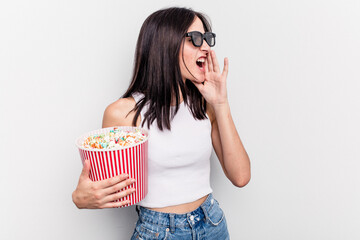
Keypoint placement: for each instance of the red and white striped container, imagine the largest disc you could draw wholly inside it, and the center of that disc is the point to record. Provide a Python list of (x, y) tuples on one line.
[(107, 163)]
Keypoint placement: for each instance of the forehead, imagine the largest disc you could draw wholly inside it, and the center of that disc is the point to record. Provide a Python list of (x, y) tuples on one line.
[(197, 25)]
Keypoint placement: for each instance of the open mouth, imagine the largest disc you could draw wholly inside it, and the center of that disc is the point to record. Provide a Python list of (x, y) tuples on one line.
[(201, 63)]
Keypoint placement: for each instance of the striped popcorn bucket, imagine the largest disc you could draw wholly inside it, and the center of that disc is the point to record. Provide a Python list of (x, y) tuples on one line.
[(107, 163)]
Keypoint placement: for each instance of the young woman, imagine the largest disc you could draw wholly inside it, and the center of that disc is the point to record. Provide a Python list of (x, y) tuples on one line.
[(178, 93)]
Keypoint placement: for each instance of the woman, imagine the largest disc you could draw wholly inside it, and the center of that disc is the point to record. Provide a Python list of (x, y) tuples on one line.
[(179, 94)]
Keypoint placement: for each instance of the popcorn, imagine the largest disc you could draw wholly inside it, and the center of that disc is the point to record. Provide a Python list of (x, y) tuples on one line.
[(113, 139)]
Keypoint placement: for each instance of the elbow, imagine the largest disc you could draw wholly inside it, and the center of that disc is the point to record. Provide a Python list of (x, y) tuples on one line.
[(243, 176), (240, 175), (75, 199), (241, 181)]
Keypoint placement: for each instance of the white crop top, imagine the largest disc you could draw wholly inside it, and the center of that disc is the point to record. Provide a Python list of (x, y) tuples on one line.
[(178, 160)]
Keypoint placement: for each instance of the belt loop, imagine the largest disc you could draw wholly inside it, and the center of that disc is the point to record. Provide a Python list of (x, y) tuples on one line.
[(137, 207), (205, 206), (172, 222), (205, 212)]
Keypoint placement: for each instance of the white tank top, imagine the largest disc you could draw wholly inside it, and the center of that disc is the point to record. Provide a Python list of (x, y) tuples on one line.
[(178, 160)]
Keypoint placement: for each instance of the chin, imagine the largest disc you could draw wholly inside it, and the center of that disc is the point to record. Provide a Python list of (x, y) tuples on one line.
[(199, 78)]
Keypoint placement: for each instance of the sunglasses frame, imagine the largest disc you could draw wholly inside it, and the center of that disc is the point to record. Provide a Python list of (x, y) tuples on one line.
[(203, 36)]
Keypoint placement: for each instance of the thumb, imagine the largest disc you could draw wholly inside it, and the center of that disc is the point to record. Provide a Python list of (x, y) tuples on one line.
[(86, 169), (199, 86)]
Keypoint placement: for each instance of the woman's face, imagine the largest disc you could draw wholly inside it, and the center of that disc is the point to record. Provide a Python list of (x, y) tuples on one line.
[(192, 59)]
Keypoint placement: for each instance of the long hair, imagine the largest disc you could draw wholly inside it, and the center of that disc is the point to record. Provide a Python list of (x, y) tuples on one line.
[(157, 72)]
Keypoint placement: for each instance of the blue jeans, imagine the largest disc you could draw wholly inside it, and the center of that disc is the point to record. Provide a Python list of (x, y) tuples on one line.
[(206, 222)]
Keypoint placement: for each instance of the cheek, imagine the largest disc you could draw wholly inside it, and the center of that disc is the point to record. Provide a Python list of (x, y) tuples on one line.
[(188, 62), (189, 54), (185, 62)]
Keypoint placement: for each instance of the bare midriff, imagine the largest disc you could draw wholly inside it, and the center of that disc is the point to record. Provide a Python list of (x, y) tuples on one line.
[(182, 208)]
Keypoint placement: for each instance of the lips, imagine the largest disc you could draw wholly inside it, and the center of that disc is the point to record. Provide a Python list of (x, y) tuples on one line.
[(201, 62)]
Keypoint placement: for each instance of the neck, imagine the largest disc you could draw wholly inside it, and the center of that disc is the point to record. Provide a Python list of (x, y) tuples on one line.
[(173, 100)]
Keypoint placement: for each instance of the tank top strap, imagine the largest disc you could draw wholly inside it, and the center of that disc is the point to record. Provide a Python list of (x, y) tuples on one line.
[(137, 97)]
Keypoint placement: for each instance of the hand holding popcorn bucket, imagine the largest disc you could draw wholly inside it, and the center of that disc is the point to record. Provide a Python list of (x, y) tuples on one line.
[(114, 151)]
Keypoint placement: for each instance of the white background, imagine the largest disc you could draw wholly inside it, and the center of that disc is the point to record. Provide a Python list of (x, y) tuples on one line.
[(293, 88)]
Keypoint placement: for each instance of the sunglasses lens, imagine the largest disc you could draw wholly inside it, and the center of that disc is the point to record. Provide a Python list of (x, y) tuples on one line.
[(197, 39), (210, 39)]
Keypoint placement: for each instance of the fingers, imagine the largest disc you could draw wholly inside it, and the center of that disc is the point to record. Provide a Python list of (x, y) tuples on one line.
[(212, 64), (101, 194), (226, 68), (115, 204), (207, 65), (112, 181), (118, 195), (117, 192), (214, 61), (119, 186), (209, 62), (104, 197)]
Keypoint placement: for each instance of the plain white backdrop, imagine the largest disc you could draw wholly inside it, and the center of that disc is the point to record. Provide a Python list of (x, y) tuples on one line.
[(293, 87)]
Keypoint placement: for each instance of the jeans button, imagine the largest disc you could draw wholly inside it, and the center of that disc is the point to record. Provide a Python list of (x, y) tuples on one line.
[(192, 218)]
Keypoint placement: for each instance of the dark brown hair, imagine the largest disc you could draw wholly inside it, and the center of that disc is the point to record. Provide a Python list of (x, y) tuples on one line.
[(157, 72)]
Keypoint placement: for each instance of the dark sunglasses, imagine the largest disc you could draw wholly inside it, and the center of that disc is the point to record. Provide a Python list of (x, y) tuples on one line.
[(197, 38)]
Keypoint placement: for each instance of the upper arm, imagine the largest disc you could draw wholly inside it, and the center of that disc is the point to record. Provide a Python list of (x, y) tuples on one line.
[(120, 113)]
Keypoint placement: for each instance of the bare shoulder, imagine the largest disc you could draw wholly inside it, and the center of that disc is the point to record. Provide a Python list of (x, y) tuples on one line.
[(119, 113)]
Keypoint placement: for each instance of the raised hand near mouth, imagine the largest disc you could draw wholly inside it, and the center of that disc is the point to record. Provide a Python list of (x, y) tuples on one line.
[(213, 88)]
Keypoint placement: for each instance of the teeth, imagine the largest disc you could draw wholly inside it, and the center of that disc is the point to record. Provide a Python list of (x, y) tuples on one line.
[(201, 60)]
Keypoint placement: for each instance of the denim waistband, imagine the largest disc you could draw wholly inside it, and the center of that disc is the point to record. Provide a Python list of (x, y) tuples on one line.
[(173, 220)]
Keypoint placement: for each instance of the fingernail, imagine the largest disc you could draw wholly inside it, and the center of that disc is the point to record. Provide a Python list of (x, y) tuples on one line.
[(133, 180), (133, 190), (125, 175)]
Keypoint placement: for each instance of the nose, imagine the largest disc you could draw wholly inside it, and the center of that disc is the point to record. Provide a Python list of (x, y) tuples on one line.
[(205, 46)]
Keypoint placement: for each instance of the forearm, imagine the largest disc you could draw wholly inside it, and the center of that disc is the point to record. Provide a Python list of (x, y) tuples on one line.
[(235, 160)]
